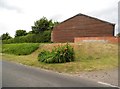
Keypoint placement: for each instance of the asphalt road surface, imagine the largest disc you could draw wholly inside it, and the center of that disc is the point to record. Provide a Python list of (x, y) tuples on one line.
[(17, 75), (0, 74)]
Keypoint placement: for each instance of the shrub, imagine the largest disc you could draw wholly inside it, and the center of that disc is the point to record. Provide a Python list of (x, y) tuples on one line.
[(60, 54), (20, 33), (8, 41), (43, 37), (20, 49)]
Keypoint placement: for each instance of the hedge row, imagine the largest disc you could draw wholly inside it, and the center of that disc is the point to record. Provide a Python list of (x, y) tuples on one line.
[(31, 38)]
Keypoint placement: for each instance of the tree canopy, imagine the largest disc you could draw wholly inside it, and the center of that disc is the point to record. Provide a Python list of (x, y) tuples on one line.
[(40, 33), (20, 33), (5, 36), (43, 24)]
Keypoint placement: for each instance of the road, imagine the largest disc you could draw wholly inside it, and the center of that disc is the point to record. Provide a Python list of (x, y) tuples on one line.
[(17, 75), (0, 73)]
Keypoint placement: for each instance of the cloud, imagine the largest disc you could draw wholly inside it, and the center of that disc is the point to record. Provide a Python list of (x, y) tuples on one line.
[(109, 14), (58, 10), (56, 17), (5, 5)]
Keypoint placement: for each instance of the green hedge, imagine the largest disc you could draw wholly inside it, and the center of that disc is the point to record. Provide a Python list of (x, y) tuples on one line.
[(31, 38), (60, 54), (20, 49)]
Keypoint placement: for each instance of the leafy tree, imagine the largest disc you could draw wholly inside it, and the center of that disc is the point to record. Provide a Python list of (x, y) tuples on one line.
[(41, 32), (20, 33), (42, 25), (30, 32), (5, 36)]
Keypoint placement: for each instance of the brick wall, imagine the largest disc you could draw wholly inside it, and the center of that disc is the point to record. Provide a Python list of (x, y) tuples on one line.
[(96, 39)]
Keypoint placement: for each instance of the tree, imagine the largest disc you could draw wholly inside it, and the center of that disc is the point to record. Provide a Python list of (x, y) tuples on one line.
[(20, 33), (5, 36), (42, 25), (30, 32)]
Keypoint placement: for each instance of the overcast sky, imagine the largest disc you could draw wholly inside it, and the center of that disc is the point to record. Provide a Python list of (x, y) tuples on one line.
[(21, 14)]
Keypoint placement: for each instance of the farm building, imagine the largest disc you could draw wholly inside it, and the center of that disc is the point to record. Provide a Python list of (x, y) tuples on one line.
[(82, 26)]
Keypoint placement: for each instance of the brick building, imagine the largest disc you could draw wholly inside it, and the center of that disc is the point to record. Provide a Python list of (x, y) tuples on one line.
[(80, 26)]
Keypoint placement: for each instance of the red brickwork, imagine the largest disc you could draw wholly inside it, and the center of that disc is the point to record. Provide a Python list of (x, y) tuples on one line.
[(96, 39), (81, 26)]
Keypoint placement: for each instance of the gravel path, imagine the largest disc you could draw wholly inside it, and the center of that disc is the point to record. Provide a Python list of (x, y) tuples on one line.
[(106, 76)]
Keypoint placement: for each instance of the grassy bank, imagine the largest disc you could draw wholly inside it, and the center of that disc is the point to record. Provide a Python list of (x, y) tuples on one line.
[(20, 49), (88, 57)]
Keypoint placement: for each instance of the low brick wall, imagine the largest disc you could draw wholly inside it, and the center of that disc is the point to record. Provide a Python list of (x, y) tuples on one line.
[(96, 39)]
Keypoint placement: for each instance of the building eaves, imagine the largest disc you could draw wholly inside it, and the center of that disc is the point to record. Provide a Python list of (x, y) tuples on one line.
[(88, 17)]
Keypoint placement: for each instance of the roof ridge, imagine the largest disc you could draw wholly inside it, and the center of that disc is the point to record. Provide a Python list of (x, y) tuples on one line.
[(80, 14), (97, 19)]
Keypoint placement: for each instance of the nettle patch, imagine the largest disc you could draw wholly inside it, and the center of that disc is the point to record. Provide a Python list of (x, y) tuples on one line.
[(60, 54)]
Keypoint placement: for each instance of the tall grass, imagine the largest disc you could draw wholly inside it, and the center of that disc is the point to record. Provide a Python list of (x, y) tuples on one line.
[(95, 51), (88, 57), (20, 49)]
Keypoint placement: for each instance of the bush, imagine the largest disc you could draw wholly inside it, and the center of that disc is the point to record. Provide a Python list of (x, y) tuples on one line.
[(8, 41), (60, 54), (20, 49), (20, 33), (43, 37)]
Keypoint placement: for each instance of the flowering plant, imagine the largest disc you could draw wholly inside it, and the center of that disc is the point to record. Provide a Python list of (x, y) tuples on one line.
[(61, 54)]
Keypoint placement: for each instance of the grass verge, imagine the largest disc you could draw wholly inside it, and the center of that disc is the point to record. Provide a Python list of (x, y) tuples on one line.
[(88, 57), (20, 49)]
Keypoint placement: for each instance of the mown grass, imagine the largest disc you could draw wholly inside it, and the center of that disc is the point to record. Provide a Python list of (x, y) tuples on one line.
[(88, 57), (20, 49)]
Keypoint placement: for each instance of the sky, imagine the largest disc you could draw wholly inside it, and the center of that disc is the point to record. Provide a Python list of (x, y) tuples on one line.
[(21, 14)]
